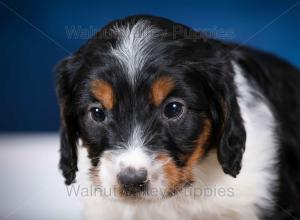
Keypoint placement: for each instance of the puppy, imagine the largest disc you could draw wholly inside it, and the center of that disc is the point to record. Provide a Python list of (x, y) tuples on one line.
[(180, 127)]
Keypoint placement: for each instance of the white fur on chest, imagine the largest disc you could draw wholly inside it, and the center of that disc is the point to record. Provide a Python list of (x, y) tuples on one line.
[(251, 189)]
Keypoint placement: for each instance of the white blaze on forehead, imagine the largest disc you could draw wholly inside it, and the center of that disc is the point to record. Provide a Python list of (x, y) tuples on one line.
[(134, 45)]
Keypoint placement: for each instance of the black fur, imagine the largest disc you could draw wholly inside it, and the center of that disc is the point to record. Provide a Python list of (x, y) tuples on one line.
[(69, 128)]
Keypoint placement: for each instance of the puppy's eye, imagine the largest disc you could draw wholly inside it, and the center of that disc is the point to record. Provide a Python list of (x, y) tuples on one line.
[(173, 110), (97, 114)]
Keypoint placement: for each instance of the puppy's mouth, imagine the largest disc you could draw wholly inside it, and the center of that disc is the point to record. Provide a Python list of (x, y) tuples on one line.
[(143, 192), (148, 194), (142, 177)]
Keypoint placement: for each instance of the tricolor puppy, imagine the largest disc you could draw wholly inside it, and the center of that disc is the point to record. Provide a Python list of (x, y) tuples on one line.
[(180, 127)]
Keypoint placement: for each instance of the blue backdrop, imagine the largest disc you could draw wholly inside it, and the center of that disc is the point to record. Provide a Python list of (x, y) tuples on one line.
[(36, 34)]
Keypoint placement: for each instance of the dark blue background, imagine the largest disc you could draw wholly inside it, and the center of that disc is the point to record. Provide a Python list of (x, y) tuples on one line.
[(27, 97)]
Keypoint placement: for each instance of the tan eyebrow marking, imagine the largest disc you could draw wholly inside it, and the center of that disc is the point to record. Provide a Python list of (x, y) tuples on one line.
[(160, 89), (103, 91)]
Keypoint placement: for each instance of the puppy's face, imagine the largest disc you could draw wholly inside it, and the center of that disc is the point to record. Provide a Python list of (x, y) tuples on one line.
[(144, 138), (148, 108)]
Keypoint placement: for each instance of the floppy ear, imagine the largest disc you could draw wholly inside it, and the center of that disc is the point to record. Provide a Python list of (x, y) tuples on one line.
[(65, 71), (68, 155), (232, 137), (229, 130)]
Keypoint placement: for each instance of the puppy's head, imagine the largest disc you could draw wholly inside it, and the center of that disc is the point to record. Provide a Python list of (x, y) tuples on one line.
[(148, 104)]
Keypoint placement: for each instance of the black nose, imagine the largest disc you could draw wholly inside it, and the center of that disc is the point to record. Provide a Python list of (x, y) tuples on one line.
[(133, 181)]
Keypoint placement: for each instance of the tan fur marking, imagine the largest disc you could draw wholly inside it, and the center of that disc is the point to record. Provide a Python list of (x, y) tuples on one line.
[(172, 172), (160, 89), (201, 141), (176, 176), (103, 91)]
